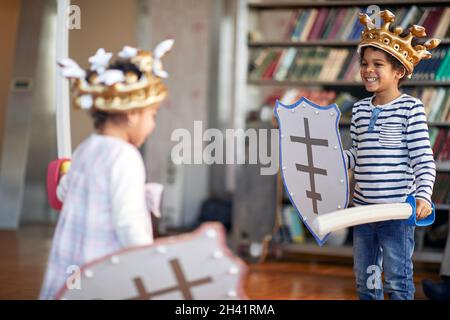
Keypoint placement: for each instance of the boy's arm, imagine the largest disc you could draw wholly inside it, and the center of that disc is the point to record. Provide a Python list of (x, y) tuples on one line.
[(420, 152), (351, 153)]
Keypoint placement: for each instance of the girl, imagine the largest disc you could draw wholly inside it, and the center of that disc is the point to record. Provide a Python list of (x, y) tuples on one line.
[(105, 200)]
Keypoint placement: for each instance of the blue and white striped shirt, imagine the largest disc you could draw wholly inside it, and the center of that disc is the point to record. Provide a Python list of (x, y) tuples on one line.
[(390, 153)]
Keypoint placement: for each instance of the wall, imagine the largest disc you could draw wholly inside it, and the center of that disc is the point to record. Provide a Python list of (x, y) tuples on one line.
[(9, 15), (108, 24), (21, 108), (99, 28), (113, 23), (186, 21)]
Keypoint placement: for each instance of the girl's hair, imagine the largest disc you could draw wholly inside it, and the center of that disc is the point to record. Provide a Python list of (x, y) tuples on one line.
[(100, 117)]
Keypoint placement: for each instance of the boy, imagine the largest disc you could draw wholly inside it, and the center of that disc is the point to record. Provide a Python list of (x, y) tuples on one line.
[(391, 157)]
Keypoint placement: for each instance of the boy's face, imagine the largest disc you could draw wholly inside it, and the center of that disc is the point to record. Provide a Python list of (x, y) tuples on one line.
[(377, 73)]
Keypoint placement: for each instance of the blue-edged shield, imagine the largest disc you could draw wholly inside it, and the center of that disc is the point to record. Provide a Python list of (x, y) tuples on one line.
[(312, 160)]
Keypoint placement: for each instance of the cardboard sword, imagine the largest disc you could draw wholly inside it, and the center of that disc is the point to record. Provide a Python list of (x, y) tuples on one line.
[(60, 166)]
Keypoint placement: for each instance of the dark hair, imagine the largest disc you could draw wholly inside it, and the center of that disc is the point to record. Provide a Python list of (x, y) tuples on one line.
[(100, 117), (121, 65), (125, 67)]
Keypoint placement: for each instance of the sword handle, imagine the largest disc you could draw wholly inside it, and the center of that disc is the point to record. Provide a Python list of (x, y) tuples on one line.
[(55, 170)]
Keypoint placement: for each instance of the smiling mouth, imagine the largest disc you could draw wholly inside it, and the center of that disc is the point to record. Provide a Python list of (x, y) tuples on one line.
[(370, 79)]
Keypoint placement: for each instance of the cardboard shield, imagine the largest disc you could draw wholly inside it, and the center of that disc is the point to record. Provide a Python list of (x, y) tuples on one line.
[(195, 265), (312, 160)]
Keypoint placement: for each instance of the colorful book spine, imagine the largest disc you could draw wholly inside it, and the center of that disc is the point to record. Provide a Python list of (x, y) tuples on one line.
[(319, 23), (342, 23)]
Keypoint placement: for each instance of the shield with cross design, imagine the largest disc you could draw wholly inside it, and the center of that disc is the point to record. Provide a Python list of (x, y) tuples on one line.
[(312, 160), (190, 266)]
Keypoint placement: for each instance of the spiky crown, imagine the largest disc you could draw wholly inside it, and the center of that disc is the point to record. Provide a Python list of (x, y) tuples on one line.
[(393, 43), (109, 89)]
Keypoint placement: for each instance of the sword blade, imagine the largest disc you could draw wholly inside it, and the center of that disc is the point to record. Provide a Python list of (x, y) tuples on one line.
[(62, 84)]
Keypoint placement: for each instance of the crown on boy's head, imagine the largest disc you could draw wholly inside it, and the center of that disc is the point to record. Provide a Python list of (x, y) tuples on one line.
[(108, 88), (393, 43)]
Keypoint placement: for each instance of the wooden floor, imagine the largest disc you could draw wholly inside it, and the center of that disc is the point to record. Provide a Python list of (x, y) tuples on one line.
[(23, 257)]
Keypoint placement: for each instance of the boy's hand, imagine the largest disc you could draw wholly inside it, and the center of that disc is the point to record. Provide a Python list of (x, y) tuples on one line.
[(423, 209)]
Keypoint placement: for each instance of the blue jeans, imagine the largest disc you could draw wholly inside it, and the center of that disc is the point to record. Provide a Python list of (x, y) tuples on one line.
[(384, 246)]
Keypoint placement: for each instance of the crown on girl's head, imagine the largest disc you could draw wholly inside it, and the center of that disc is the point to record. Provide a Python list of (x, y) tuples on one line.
[(393, 43), (104, 87)]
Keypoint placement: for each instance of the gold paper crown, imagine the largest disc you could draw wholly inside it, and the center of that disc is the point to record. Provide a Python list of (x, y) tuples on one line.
[(109, 89), (393, 43)]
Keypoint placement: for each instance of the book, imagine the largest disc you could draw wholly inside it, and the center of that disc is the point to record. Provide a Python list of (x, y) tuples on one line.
[(348, 27), (338, 24), (432, 19), (309, 65), (293, 224), (424, 16), (297, 65), (444, 151), (290, 30), (352, 71), (329, 23), (279, 62), (299, 25), (318, 24), (446, 108), (342, 54), (443, 24), (436, 103), (312, 16), (345, 65), (265, 58), (410, 15), (357, 29), (433, 132), (304, 64), (323, 75), (428, 100), (288, 59), (438, 144), (441, 72), (400, 15), (268, 72), (440, 106), (436, 62)]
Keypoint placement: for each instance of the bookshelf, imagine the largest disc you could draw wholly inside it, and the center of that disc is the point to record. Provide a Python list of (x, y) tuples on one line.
[(314, 43), (283, 5), (263, 85), (338, 83)]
